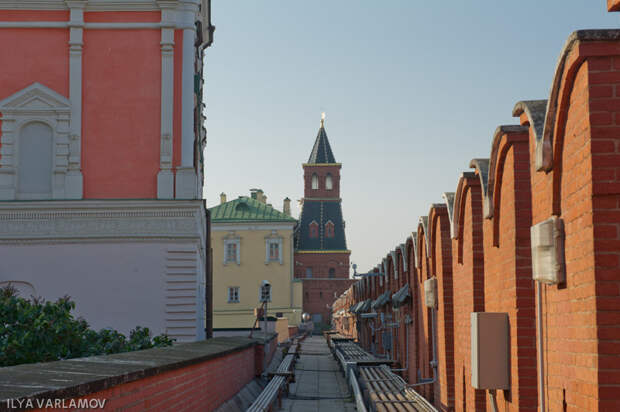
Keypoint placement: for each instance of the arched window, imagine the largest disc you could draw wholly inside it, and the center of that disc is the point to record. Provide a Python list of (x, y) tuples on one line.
[(315, 181), (332, 273), (34, 174), (329, 185), (314, 230)]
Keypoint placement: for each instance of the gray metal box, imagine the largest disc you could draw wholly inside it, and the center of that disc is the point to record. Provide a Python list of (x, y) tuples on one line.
[(547, 239), (489, 350), (430, 292)]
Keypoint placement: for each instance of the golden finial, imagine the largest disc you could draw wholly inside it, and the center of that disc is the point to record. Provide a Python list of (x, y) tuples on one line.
[(323, 119)]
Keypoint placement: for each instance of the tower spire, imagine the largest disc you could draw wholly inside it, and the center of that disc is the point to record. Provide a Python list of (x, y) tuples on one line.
[(323, 120)]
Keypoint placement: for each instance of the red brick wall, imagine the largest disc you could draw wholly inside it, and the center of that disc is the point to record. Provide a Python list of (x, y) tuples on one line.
[(321, 263), (490, 259), (203, 386), (322, 172), (318, 295), (468, 274)]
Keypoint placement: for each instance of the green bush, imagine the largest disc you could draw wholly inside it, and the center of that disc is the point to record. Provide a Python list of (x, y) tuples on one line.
[(38, 331)]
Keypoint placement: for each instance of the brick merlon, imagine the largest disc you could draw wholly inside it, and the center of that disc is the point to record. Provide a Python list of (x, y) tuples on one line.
[(423, 221), (544, 159), (448, 198), (465, 176)]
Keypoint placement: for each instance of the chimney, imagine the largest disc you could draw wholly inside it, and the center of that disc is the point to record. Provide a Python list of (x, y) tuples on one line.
[(260, 196), (286, 208), (222, 198)]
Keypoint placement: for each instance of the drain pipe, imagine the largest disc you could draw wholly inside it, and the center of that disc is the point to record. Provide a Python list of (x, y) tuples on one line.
[(539, 348), (434, 362)]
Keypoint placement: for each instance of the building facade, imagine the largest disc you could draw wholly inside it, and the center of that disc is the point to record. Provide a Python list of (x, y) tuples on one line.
[(321, 254), (101, 159), (252, 246)]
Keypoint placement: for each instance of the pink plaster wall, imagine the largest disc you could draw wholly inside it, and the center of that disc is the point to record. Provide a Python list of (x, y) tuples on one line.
[(121, 112)]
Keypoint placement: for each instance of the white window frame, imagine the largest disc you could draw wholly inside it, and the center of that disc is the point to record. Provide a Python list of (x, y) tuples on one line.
[(230, 295), (38, 103), (228, 240), (273, 239)]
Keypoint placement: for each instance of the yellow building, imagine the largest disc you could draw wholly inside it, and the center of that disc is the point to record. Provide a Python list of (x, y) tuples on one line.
[(252, 246)]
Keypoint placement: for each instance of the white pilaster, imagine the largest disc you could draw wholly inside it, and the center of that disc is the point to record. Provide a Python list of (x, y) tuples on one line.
[(165, 177), (74, 182), (186, 179)]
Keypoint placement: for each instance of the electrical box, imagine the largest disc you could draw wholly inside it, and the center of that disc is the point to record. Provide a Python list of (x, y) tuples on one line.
[(547, 239), (489, 350), (430, 292)]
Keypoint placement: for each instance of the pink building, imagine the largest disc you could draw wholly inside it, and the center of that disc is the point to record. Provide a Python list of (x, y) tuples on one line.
[(101, 158)]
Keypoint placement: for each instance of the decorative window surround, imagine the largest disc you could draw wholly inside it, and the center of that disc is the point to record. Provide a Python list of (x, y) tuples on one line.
[(274, 239), (37, 103), (232, 239)]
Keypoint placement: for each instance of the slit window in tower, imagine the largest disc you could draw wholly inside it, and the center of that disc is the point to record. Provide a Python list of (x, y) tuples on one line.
[(328, 182), (315, 181)]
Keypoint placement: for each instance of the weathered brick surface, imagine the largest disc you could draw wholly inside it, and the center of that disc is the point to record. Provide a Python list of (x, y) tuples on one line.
[(203, 386)]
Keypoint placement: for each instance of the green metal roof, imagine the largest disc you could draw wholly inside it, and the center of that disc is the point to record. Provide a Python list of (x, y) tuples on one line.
[(246, 209)]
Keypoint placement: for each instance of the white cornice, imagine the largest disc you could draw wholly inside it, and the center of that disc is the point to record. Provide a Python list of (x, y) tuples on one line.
[(93, 5), (225, 227), (101, 220)]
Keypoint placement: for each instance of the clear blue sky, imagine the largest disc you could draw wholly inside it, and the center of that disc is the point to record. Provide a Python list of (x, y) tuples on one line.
[(412, 89)]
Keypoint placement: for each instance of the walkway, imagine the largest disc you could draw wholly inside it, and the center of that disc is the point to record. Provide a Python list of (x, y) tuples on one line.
[(320, 385)]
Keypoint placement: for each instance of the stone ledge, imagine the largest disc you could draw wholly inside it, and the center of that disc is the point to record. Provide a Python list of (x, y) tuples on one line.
[(74, 378)]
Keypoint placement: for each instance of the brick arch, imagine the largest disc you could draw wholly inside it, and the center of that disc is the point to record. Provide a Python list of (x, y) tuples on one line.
[(466, 181), (441, 264), (503, 140)]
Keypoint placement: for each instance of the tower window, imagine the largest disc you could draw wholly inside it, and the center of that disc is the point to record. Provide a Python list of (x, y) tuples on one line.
[(329, 229), (328, 182), (308, 272), (314, 230), (332, 273), (315, 181)]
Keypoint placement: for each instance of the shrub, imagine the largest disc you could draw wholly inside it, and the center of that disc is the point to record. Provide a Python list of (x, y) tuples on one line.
[(38, 331)]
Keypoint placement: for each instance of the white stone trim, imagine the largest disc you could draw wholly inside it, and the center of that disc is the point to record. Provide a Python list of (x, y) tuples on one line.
[(69, 221), (93, 5), (37, 103), (227, 227), (165, 177), (74, 179), (394, 263)]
